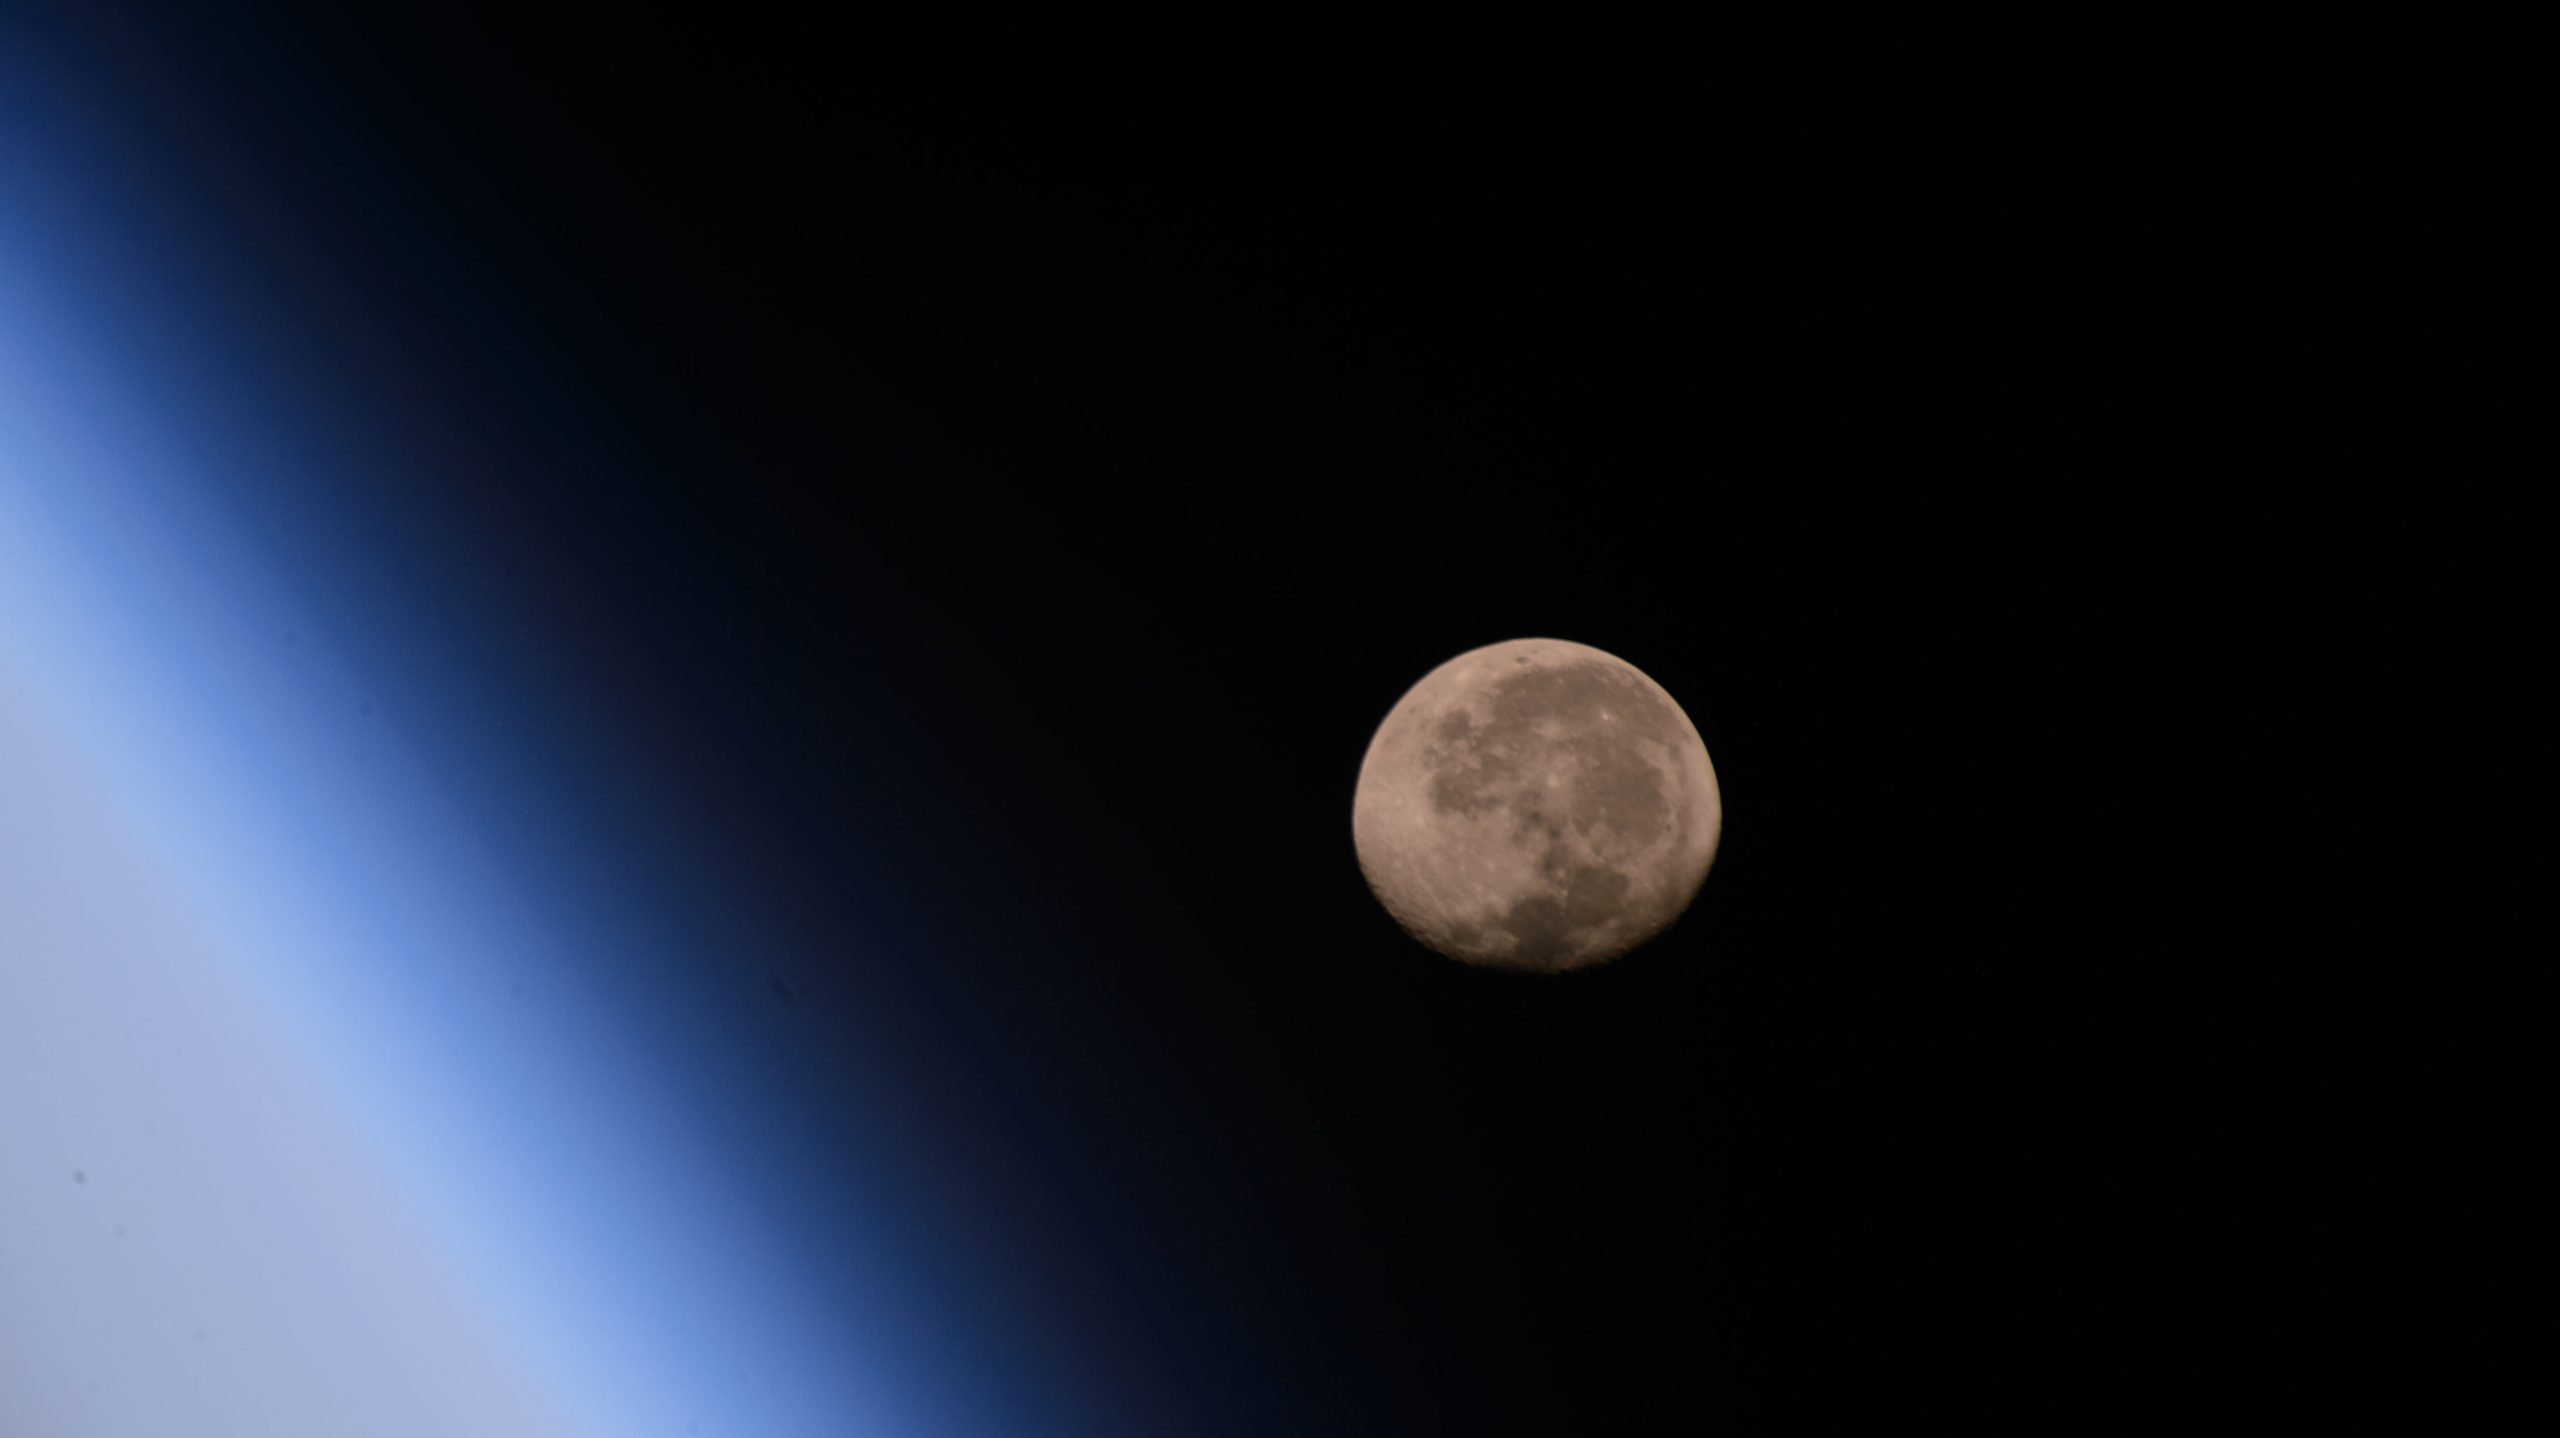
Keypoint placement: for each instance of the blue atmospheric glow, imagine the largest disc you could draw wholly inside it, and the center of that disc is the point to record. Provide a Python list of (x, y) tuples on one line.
[(367, 1137)]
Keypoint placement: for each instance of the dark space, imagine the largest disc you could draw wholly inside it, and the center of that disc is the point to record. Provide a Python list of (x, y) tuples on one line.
[(996, 486)]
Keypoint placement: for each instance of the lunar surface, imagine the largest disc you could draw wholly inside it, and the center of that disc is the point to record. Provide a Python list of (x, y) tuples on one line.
[(1536, 804)]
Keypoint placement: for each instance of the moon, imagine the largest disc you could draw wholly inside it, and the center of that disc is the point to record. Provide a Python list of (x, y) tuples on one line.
[(1537, 805)]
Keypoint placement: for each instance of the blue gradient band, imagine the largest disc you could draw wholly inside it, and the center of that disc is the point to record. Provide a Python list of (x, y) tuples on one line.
[(337, 1093)]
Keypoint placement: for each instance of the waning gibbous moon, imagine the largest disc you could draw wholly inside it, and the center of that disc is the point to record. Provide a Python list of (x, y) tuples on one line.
[(1537, 805)]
